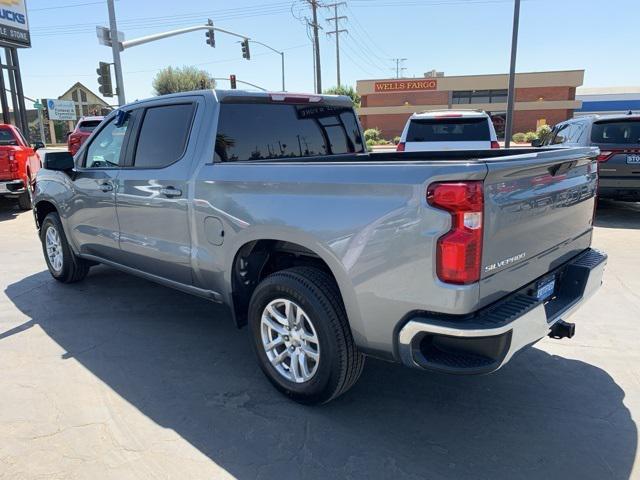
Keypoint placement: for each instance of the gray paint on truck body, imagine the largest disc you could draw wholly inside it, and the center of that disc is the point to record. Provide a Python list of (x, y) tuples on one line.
[(366, 217)]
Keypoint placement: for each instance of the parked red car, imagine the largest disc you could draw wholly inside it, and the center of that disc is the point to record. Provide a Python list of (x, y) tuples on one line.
[(19, 164), (83, 129)]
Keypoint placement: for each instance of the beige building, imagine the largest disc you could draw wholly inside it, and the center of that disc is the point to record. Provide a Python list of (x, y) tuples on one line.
[(88, 104), (541, 97)]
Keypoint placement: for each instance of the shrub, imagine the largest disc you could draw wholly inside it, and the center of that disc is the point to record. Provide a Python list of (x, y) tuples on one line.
[(518, 137), (543, 131), (185, 79), (396, 140), (530, 137), (372, 134), (344, 90)]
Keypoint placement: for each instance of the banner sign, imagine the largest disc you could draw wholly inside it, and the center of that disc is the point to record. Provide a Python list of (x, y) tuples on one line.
[(14, 24), (406, 85)]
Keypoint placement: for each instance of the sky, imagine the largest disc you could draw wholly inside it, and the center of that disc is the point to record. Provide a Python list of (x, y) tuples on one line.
[(458, 37)]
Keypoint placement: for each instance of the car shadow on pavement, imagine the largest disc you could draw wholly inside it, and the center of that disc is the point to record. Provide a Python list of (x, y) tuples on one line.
[(180, 361), (8, 209), (612, 214)]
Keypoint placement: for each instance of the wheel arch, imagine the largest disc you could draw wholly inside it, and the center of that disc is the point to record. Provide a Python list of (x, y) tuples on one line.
[(41, 209), (256, 258)]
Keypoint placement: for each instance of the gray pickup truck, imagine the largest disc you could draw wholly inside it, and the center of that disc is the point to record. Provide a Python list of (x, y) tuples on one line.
[(269, 203)]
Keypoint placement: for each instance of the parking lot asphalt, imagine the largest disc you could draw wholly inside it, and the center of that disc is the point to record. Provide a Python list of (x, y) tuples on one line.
[(119, 378)]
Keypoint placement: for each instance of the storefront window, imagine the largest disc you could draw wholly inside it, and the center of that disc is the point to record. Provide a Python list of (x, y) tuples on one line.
[(463, 97)]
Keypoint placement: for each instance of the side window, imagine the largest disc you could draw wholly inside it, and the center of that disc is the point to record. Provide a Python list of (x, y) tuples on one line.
[(581, 129), (105, 149), (24, 140), (163, 135), (561, 135)]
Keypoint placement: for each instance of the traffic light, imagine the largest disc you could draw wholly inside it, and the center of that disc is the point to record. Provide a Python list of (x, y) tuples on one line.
[(210, 34), (45, 109), (104, 79), (245, 49), (232, 80)]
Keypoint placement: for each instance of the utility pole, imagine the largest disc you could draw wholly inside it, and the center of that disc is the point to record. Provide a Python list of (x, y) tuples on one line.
[(512, 75), (337, 33), (115, 48), (316, 44), (398, 69)]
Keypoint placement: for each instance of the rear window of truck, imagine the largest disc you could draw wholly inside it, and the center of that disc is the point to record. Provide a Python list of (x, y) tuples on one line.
[(616, 131), (7, 137), (448, 130), (88, 126), (271, 131)]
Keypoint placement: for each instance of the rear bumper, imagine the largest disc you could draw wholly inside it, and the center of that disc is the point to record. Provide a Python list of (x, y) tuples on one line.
[(9, 188), (619, 188), (485, 341)]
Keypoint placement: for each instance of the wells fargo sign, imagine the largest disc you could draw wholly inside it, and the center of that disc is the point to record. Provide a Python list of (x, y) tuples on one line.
[(405, 85)]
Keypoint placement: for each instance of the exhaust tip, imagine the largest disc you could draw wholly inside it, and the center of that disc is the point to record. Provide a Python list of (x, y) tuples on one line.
[(562, 329)]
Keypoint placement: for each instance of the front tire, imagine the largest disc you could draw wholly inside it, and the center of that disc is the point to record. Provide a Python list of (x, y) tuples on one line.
[(63, 265), (300, 333)]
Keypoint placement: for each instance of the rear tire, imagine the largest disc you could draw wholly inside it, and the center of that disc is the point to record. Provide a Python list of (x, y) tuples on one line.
[(316, 358), (63, 265), (25, 201)]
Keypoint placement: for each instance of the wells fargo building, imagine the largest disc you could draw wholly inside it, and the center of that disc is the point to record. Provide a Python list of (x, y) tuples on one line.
[(541, 97)]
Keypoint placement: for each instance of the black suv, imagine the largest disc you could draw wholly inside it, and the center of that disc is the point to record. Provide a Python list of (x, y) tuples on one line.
[(618, 137)]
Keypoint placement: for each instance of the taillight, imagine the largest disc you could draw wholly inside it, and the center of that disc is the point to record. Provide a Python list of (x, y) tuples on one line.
[(494, 144), (13, 162), (604, 156), (400, 147), (294, 98), (459, 251)]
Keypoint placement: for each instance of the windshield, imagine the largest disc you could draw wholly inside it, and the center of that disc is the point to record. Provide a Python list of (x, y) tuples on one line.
[(448, 130), (626, 132)]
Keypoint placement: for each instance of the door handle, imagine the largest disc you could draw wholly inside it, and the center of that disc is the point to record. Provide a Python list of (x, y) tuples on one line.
[(171, 192), (106, 187)]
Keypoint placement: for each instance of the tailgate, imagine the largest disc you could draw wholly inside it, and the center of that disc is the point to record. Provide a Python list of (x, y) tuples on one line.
[(5, 172), (538, 214)]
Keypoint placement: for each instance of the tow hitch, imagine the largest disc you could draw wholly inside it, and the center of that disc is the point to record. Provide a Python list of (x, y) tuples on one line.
[(562, 329)]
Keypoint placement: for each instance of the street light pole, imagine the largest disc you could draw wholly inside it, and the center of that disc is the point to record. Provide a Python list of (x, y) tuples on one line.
[(115, 48), (282, 57), (512, 75), (278, 52)]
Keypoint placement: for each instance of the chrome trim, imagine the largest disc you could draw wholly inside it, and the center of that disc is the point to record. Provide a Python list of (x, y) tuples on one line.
[(525, 330)]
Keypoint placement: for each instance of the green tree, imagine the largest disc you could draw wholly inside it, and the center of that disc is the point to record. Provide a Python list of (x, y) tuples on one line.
[(348, 91), (173, 80)]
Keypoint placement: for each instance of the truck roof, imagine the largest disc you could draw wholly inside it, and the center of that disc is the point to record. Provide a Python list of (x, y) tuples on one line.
[(262, 97), (450, 113)]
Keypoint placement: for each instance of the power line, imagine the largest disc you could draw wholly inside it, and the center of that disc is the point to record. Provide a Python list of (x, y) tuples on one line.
[(70, 5), (144, 22), (358, 65)]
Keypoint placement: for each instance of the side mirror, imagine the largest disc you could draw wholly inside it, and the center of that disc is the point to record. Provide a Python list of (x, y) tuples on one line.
[(536, 143), (37, 146), (61, 161), (66, 135)]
